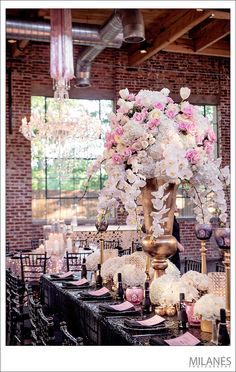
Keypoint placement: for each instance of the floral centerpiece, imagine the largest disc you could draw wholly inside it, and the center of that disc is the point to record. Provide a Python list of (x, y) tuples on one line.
[(153, 137), (94, 258), (131, 276), (208, 307), (196, 279)]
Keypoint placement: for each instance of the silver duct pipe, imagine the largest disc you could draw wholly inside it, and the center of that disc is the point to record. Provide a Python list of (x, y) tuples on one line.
[(128, 20), (40, 31), (133, 26)]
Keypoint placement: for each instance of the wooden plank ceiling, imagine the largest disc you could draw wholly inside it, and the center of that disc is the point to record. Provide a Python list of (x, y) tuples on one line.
[(191, 31)]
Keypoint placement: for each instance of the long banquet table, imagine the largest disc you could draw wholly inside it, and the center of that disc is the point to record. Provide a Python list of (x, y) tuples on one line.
[(85, 319)]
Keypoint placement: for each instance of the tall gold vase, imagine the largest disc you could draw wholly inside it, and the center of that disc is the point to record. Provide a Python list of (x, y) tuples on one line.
[(164, 246)]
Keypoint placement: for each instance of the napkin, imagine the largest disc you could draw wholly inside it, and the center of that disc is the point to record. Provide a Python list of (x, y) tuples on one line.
[(187, 339), (124, 306), (67, 275), (154, 321), (100, 293), (77, 283)]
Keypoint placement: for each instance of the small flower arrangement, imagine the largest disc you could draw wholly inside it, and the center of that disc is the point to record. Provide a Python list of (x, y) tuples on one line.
[(137, 259), (196, 280), (93, 259), (208, 307), (131, 276), (111, 266), (165, 291)]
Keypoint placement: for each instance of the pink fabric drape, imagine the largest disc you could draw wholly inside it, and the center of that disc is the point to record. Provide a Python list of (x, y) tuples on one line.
[(61, 46)]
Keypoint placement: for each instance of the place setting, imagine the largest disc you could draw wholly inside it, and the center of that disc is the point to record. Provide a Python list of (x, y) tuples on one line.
[(154, 324), (122, 309), (102, 294)]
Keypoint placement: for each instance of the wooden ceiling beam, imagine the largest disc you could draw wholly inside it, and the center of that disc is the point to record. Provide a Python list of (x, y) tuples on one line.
[(210, 34), (219, 14), (168, 36), (219, 49)]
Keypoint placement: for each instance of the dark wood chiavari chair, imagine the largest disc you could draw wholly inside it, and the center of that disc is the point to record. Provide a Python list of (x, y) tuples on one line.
[(190, 264), (220, 267), (136, 246), (111, 244), (124, 252), (75, 260), (67, 338)]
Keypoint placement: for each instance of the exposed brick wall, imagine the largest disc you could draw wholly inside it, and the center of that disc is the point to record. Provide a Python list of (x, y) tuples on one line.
[(205, 76)]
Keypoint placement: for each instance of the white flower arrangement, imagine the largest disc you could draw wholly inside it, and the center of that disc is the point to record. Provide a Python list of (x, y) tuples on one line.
[(131, 276), (93, 259), (153, 137), (165, 291), (196, 279), (111, 266), (172, 269), (137, 259), (208, 307)]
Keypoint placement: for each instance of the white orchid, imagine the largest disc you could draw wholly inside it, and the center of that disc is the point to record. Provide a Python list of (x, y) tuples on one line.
[(184, 93)]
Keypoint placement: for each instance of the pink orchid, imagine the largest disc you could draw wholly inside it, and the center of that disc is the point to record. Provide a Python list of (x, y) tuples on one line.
[(199, 139), (117, 159), (170, 100), (211, 135), (192, 156), (188, 110), (182, 126), (192, 128), (208, 147), (131, 97)]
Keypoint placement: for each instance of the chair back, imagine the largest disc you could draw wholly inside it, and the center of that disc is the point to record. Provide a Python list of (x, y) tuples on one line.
[(34, 243), (45, 329), (190, 264), (124, 252), (67, 338), (33, 306), (82, 243), (136, 246), (33, 265), (75, 260), (220, 268), (111, 244)]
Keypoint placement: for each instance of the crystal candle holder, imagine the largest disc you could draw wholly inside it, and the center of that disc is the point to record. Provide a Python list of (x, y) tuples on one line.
[(217, 284)]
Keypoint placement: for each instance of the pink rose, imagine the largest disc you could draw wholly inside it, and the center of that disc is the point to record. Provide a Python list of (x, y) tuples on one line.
[(153, 123), (170, 113), (159, 105), (117, 159), (138, 116), (199, 139), (119, 130), (192, 156), (128, 152), (170, 100)]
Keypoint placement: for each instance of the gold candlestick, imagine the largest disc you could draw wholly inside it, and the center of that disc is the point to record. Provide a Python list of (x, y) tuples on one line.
[(227, 274), (147, 270), (101, 250), (203, 251)]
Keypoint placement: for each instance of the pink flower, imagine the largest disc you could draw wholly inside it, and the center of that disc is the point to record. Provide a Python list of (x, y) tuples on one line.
[(182, 126), (138, 101), (159, 105), (208, 147), (138, 116), (127, 152), (192, 156), (199, 139), (170, 100), (119, 130), (153, 123), (187, 110), (131, 97), (192, 128), (117, 159), (170, 113), (211, 135)]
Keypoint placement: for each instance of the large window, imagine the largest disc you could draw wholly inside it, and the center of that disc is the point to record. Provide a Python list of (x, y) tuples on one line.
[(59, 179), (185, 207)]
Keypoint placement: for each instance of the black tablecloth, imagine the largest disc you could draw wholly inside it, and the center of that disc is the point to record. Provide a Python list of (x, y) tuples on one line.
[(85, 319)]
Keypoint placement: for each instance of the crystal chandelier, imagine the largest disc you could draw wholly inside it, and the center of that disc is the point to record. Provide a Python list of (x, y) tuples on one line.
[(59, 124)]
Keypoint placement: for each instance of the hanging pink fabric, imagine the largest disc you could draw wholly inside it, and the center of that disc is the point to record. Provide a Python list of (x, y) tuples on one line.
[(61, 48)]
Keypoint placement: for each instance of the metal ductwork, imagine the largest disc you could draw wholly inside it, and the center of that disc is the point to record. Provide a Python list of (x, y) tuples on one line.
[(130, 21), (133, 26), (40, 31)]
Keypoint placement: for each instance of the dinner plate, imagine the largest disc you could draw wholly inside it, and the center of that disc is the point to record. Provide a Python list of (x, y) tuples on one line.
[(158, 329), (95, 298), (67, 285)]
